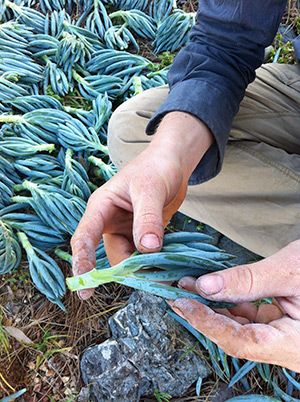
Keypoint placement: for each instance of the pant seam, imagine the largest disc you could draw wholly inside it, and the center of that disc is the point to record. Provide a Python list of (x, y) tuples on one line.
[(283, 77), (268, 115), (283, 169)]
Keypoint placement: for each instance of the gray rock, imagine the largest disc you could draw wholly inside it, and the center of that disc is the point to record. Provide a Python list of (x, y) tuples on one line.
[(13, 308), (147, 351)]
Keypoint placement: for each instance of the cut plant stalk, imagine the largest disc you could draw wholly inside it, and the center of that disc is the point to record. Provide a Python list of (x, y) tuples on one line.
[(107, 170), (172, 265)]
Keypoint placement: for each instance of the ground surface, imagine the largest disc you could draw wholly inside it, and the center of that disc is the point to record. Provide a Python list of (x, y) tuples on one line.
[(49, 367)]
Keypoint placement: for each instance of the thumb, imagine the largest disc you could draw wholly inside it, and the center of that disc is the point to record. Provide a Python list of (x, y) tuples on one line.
[(148, 227), (274, 276)]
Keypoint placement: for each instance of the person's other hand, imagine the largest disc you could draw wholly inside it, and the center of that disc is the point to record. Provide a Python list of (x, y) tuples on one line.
[(270, 333), (132, 209)]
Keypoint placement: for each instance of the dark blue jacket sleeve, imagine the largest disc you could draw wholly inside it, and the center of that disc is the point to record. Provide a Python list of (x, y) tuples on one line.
[(209, 76)]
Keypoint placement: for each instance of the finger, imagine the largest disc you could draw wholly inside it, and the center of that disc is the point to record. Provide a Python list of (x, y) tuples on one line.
[(276, 303), (86, 238), (84, 260), (84, 242), (188, 283), (243, 313), (256, 342), (227, 313), (290, 306), (247, 310), (85, 293), (267, 278), (267, 313), (117, 248)]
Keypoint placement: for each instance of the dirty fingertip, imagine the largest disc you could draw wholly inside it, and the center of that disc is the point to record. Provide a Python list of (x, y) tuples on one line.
[(179, 312), (85, 294)]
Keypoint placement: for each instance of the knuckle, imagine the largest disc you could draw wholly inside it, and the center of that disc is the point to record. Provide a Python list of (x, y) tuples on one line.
[(92, 198), (244, 279), (149, 217), (250, 343), (248, 276), (74, 240)]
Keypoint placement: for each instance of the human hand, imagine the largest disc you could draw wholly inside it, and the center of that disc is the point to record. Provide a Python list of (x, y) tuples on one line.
[(274, 337), (132, 209)]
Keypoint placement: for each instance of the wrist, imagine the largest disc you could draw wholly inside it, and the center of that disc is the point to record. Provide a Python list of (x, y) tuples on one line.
[(183, 136)]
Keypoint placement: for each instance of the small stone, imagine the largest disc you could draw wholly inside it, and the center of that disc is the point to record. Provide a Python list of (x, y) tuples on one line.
[(54, 363), (65, 379), (68, 391), (19, 294), (13, 308), (37, 387), (31, 365), (10, 293), (7, 322), (43, 367), (37, 384)]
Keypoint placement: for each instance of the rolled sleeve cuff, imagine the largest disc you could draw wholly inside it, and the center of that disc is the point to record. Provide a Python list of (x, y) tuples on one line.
[(296, 44), (215, 107)]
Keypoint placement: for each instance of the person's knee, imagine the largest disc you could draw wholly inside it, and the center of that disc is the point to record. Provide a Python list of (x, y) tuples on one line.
[(126, 136)]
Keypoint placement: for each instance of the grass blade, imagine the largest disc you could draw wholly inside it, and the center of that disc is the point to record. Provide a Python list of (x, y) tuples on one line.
[(291, 379), (13, 396), (282, 394), (188, 326), (242, 372), (198, 386)]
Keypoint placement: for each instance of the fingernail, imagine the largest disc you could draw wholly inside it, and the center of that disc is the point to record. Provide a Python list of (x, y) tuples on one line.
[(183, 283), (179, 312), (83, 294), (210, 284), (150, 241)]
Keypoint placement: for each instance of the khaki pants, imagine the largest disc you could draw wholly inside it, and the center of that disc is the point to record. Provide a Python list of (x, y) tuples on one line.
[(255, 200)]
